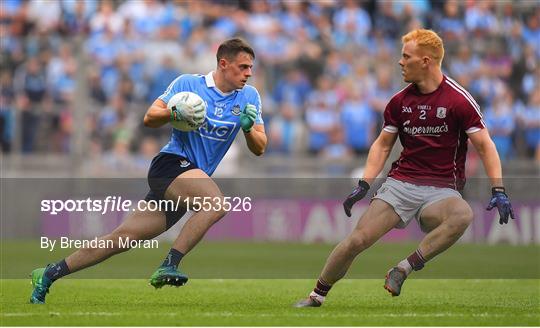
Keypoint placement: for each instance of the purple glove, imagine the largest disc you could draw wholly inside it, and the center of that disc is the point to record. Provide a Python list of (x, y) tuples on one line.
[(357, 194)]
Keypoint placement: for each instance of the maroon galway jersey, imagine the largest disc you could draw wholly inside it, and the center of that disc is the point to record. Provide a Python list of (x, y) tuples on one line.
[(433, 131)]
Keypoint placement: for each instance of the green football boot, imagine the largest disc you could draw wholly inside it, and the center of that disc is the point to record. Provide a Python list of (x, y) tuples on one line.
[(168, 276), (41, 285)]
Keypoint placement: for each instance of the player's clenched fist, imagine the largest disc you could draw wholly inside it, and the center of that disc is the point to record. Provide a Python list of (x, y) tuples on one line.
[(357, 194), (184, 112), (247, 117)]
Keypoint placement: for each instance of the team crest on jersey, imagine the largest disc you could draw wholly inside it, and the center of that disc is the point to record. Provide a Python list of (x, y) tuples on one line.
[(184, 163), (441, 112), (236, 110)]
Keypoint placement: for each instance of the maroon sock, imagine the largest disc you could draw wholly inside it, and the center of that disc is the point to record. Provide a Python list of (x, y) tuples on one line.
[(322, 287), (416, 260)]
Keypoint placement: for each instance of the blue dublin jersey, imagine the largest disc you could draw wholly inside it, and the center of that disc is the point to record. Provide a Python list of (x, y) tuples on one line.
[(206, 146)]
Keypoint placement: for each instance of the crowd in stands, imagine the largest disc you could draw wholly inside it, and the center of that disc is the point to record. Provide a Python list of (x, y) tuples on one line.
[(325, 69)]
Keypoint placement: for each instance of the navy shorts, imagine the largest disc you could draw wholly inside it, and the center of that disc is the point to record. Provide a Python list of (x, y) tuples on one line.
[(164, 169)]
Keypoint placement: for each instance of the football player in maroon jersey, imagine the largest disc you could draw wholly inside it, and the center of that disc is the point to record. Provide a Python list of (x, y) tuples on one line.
[(433, 117)]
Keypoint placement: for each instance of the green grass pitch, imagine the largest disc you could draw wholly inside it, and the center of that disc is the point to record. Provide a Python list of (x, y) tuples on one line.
[(255, 284), (267, 302)]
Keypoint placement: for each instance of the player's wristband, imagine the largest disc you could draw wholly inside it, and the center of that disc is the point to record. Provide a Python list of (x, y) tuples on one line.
[(362, 183), (495, 190), (247, 131), (172, 116)]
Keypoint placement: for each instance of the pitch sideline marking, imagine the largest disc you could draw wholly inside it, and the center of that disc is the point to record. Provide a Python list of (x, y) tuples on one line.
[(231, 314)]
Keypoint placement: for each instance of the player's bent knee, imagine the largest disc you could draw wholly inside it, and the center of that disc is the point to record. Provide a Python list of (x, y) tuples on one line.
[(358, 241), (220, 206), (219, 213), (461, 218)]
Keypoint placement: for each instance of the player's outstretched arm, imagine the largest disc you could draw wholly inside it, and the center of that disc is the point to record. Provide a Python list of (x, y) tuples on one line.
[(256, 139), (157, 114), (490, 157), (492, 164), (378, 154)]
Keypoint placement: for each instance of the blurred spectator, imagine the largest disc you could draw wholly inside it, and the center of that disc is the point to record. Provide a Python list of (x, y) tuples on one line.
[(110, 119), (274, 50), (465, 67), (295, 19), (336, 152), (336, 149), (76, 15), (151, 18), (412, 14), (286, 131), (118, 159), (529, 119), (44, 22), (39, 41), (352, 24), (523, 62), (450, 24), (103, 51), (480, 19), (260, 21), (363, 79), (12, 51), (499, 119), (487, 86), (106, 19), (386, 20), (97, 94), (531, 79), (531, 31), (358, 121), (322, 115), (31, 86), (199, 48), (382, 92), (336, 67), (498, 61), (293, 88), (148, 148), (61, 77), (7, 111), (165, 74)]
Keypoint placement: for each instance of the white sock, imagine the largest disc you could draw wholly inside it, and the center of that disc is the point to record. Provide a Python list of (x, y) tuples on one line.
[(316, 296), (406, 266)]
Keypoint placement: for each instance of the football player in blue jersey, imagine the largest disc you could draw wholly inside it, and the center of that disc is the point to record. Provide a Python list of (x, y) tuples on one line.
[(183, 167)]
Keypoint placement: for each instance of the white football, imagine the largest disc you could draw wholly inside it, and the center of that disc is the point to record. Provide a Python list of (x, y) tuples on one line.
[(193, 109)]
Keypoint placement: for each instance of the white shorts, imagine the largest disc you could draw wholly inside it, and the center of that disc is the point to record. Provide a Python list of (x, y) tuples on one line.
[(409, 200)]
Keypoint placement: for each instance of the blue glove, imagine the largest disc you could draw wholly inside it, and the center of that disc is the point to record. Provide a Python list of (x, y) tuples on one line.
[(500, 199), (247, 117), (357, 194)]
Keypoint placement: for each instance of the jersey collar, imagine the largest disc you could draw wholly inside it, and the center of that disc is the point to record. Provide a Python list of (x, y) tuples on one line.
[(210, 83), (417, 92)]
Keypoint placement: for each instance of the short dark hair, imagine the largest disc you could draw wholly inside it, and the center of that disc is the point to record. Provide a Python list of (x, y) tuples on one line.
[(230, 48)]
